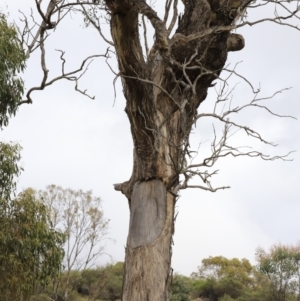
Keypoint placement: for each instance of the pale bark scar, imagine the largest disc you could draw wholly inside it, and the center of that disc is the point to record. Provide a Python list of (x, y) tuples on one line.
[(148, 211)]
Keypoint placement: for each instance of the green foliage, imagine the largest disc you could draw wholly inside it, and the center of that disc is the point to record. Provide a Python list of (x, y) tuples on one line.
[(226, 298), (12, 62), (255, 294), (198, 286), (102, 283), (40, 297), (112, 282), (9, 169), (225, 279), (180, 288), (30, 251), (220, 267), (282, 266)]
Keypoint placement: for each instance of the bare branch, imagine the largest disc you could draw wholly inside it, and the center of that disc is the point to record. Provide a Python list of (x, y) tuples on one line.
[(145, 36), (205, 188), (174, 18), (278, 18), (167, 10), (221, 148), (161, 42), (97, 25), (78, 214), (46, 24), (274, 20), (71, 76), (154, 84), (239, 75)]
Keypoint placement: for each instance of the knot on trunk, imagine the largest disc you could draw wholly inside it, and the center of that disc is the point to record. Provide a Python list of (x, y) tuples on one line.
[(235, 42), (125, 188)]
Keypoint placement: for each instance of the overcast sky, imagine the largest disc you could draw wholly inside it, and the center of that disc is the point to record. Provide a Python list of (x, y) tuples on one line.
[(76, 142)]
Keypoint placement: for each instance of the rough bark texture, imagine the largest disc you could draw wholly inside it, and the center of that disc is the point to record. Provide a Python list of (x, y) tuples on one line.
[(163, 93)]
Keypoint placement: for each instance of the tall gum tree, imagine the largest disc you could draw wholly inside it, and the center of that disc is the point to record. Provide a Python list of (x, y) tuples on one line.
[(160, 126), (164, 86)]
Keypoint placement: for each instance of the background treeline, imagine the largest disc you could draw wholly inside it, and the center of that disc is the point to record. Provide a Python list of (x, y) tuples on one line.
[(276, 277), (50, 241), (102, 283)]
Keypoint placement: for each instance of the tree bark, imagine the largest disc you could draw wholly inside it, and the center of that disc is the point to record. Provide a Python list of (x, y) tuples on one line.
[(163, 93), (148, 251)]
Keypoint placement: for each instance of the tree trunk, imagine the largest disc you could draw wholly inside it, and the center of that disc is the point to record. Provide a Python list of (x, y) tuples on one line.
[(163, 93), (148, 251)]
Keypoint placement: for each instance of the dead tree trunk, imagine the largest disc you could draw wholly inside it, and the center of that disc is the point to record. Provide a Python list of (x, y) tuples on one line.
[(163, 93)]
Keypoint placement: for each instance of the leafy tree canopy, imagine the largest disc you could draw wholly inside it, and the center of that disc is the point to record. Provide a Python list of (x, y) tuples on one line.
[(226, 279), (102, 283), (282, 266), (12, 62), (30, 251), (9, 168), (180, 288), (220, 267)]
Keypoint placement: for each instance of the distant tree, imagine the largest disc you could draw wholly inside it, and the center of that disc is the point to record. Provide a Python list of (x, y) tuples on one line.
[(11, 63), (197, 287), (258, 291), (114, 281), (282, 266), (30, 250), (102, 283), (225, 278), (256, 294), (78, 215), (181, 287), (9, 169), (220, 267), (41, 297), (226, 298), (91, 283)]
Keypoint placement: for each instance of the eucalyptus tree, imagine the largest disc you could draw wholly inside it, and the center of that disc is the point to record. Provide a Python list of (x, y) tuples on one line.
[(11, 64), (30, 249), (78, 215), (165, 80), (10, 169), (281, 264), (31, 252)]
